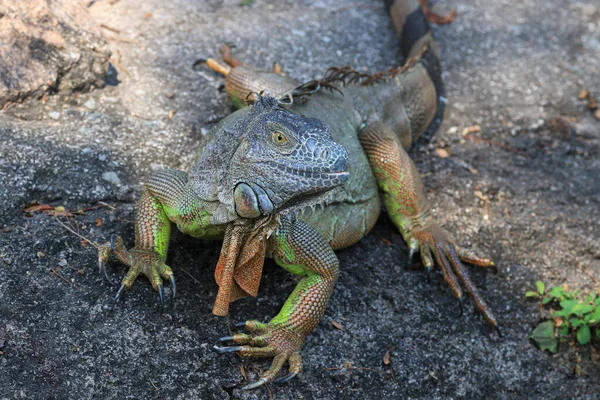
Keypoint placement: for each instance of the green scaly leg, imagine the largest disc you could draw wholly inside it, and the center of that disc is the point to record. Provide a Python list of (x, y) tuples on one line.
[(301, 250), (407, 206), (152, 232), (166, 198)]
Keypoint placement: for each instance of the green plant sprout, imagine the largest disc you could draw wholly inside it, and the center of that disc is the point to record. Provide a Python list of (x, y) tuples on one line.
[(578, 314)]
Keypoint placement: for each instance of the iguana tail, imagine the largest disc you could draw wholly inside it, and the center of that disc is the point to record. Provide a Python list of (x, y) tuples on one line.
[(416, 42), (410, 98)]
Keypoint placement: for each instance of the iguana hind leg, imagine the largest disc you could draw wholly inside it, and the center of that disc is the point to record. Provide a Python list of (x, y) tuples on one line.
[(407, 206), (301, 250)]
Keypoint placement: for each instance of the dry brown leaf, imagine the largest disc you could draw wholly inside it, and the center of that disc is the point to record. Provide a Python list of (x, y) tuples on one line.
[(35, 206), (479, 194), (171, 114), (583, 94), (471, 129), (384, 240), (98, 222), (387, 357), (442, 153), (337, 325)]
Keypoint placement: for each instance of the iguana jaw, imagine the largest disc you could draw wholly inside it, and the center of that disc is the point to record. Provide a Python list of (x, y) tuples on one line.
[(253, 199), (302, 203)]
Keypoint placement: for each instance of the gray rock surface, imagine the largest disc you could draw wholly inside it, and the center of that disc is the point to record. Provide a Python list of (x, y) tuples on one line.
[(48, 45), (513, 68)]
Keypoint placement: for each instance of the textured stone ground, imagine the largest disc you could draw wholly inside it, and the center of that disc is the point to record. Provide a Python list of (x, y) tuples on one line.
[(510, 67)]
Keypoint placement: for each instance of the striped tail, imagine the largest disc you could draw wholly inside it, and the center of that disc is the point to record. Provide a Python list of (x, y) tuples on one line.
[(416, 39)]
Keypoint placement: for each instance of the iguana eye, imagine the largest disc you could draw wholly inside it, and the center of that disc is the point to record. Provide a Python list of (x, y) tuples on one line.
[(279, 137)]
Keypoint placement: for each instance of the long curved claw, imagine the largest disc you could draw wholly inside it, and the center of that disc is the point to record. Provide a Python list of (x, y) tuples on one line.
[(286, 378), (225, 339), (229, 349), (428, 269), (460, 303), (102, 268), (173, 285), (239, 325), (161, 294), (411, 253), (119, 292), (499, 331), (256, 384)]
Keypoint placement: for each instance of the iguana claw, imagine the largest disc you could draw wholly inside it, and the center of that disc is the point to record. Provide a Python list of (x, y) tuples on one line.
[(256, 384), (161, 295), (229, 349), (102, 269), (286, 378), (119, 292)]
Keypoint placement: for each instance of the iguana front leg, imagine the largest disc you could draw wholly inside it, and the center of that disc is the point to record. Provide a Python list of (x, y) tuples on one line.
[(166, 198), (407, 206), (301, 250)]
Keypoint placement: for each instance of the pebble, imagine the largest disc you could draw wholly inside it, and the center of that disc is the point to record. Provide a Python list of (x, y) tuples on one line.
[(90, 104), (111, 177), (54, 114)]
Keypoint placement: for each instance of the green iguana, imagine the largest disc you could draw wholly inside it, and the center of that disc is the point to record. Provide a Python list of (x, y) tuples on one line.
[(329, 143)]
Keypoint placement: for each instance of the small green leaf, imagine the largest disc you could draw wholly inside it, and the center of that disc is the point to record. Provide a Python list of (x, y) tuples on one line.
[(581, 309), (595, 318), (576, 322), (564, 331), (531, 294), (583, 334), (589, 298), (540, 287), (557, 292), (598, 333), (559, 314), (568, 305), (543, 336), (547, 300)]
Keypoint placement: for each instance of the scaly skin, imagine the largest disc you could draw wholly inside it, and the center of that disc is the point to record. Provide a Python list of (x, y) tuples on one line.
[(332, 142)]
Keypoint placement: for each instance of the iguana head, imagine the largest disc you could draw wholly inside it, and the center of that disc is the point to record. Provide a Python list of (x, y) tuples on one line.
[(270, 161)]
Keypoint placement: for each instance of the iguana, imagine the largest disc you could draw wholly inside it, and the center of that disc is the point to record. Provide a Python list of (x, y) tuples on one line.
[(329, 143)]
